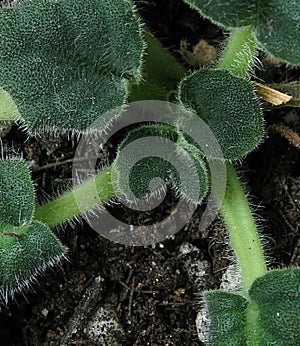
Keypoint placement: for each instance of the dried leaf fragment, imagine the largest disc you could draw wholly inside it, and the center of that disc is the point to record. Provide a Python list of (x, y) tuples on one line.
[(271, 95)]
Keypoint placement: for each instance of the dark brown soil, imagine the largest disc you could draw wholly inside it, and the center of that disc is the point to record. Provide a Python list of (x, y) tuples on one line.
[(150, 291)]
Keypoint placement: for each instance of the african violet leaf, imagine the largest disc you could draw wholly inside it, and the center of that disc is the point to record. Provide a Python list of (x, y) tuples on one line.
[(155, 151), (227, 318), (26, 252), (16, 193), (275, 23), (229, 14), (229, 107), (27, 247), (277, 29), (196, 171), (271, 316), (65, 63), (277, 296)]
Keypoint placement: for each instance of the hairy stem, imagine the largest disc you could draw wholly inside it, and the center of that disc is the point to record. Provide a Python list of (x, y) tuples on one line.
[(72, 204), (239, 54), (237, 58), (242, 231)]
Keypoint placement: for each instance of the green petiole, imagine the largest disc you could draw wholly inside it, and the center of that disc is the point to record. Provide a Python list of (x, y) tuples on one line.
[(97, 190), (238, 58), (243, 235)]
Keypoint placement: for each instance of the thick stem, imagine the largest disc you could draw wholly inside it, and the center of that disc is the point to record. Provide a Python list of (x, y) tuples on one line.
[(239, 54), (242, 231), (72, 204), (8, 109)]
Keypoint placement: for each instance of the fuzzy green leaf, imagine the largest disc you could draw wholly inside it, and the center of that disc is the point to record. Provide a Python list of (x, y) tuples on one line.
[(277, 29), (228, 318), (229, 107), (277, 295), (197, 167), (275, 23), (16, 193), (27, 248), (159, 151), (26, 252), (271, 317), (229, 13), (65, 63), (133, 176)]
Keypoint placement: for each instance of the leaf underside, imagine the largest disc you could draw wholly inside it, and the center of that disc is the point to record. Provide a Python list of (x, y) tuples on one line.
[(65, 63)]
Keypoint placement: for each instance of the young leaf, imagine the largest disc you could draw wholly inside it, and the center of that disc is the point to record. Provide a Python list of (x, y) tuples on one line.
[(16, 193), (26, 252), (229, 14), (277, 29), (227, 318), (229, 107), (155, 151), (270, 317), (197, 166), (65, 63), (275, 23), (27, 247), (277, 295)]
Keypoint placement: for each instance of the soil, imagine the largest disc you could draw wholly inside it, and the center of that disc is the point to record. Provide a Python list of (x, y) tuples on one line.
[(151, 295)]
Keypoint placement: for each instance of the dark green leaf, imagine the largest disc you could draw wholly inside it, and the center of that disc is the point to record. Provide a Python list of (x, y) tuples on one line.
[(158, 151), (196, 171), (229, 13), (65, 63), (277, 29), (16, 193), (277, 295), (229, 107), (26, 252), (227, 313), (27, 248)]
